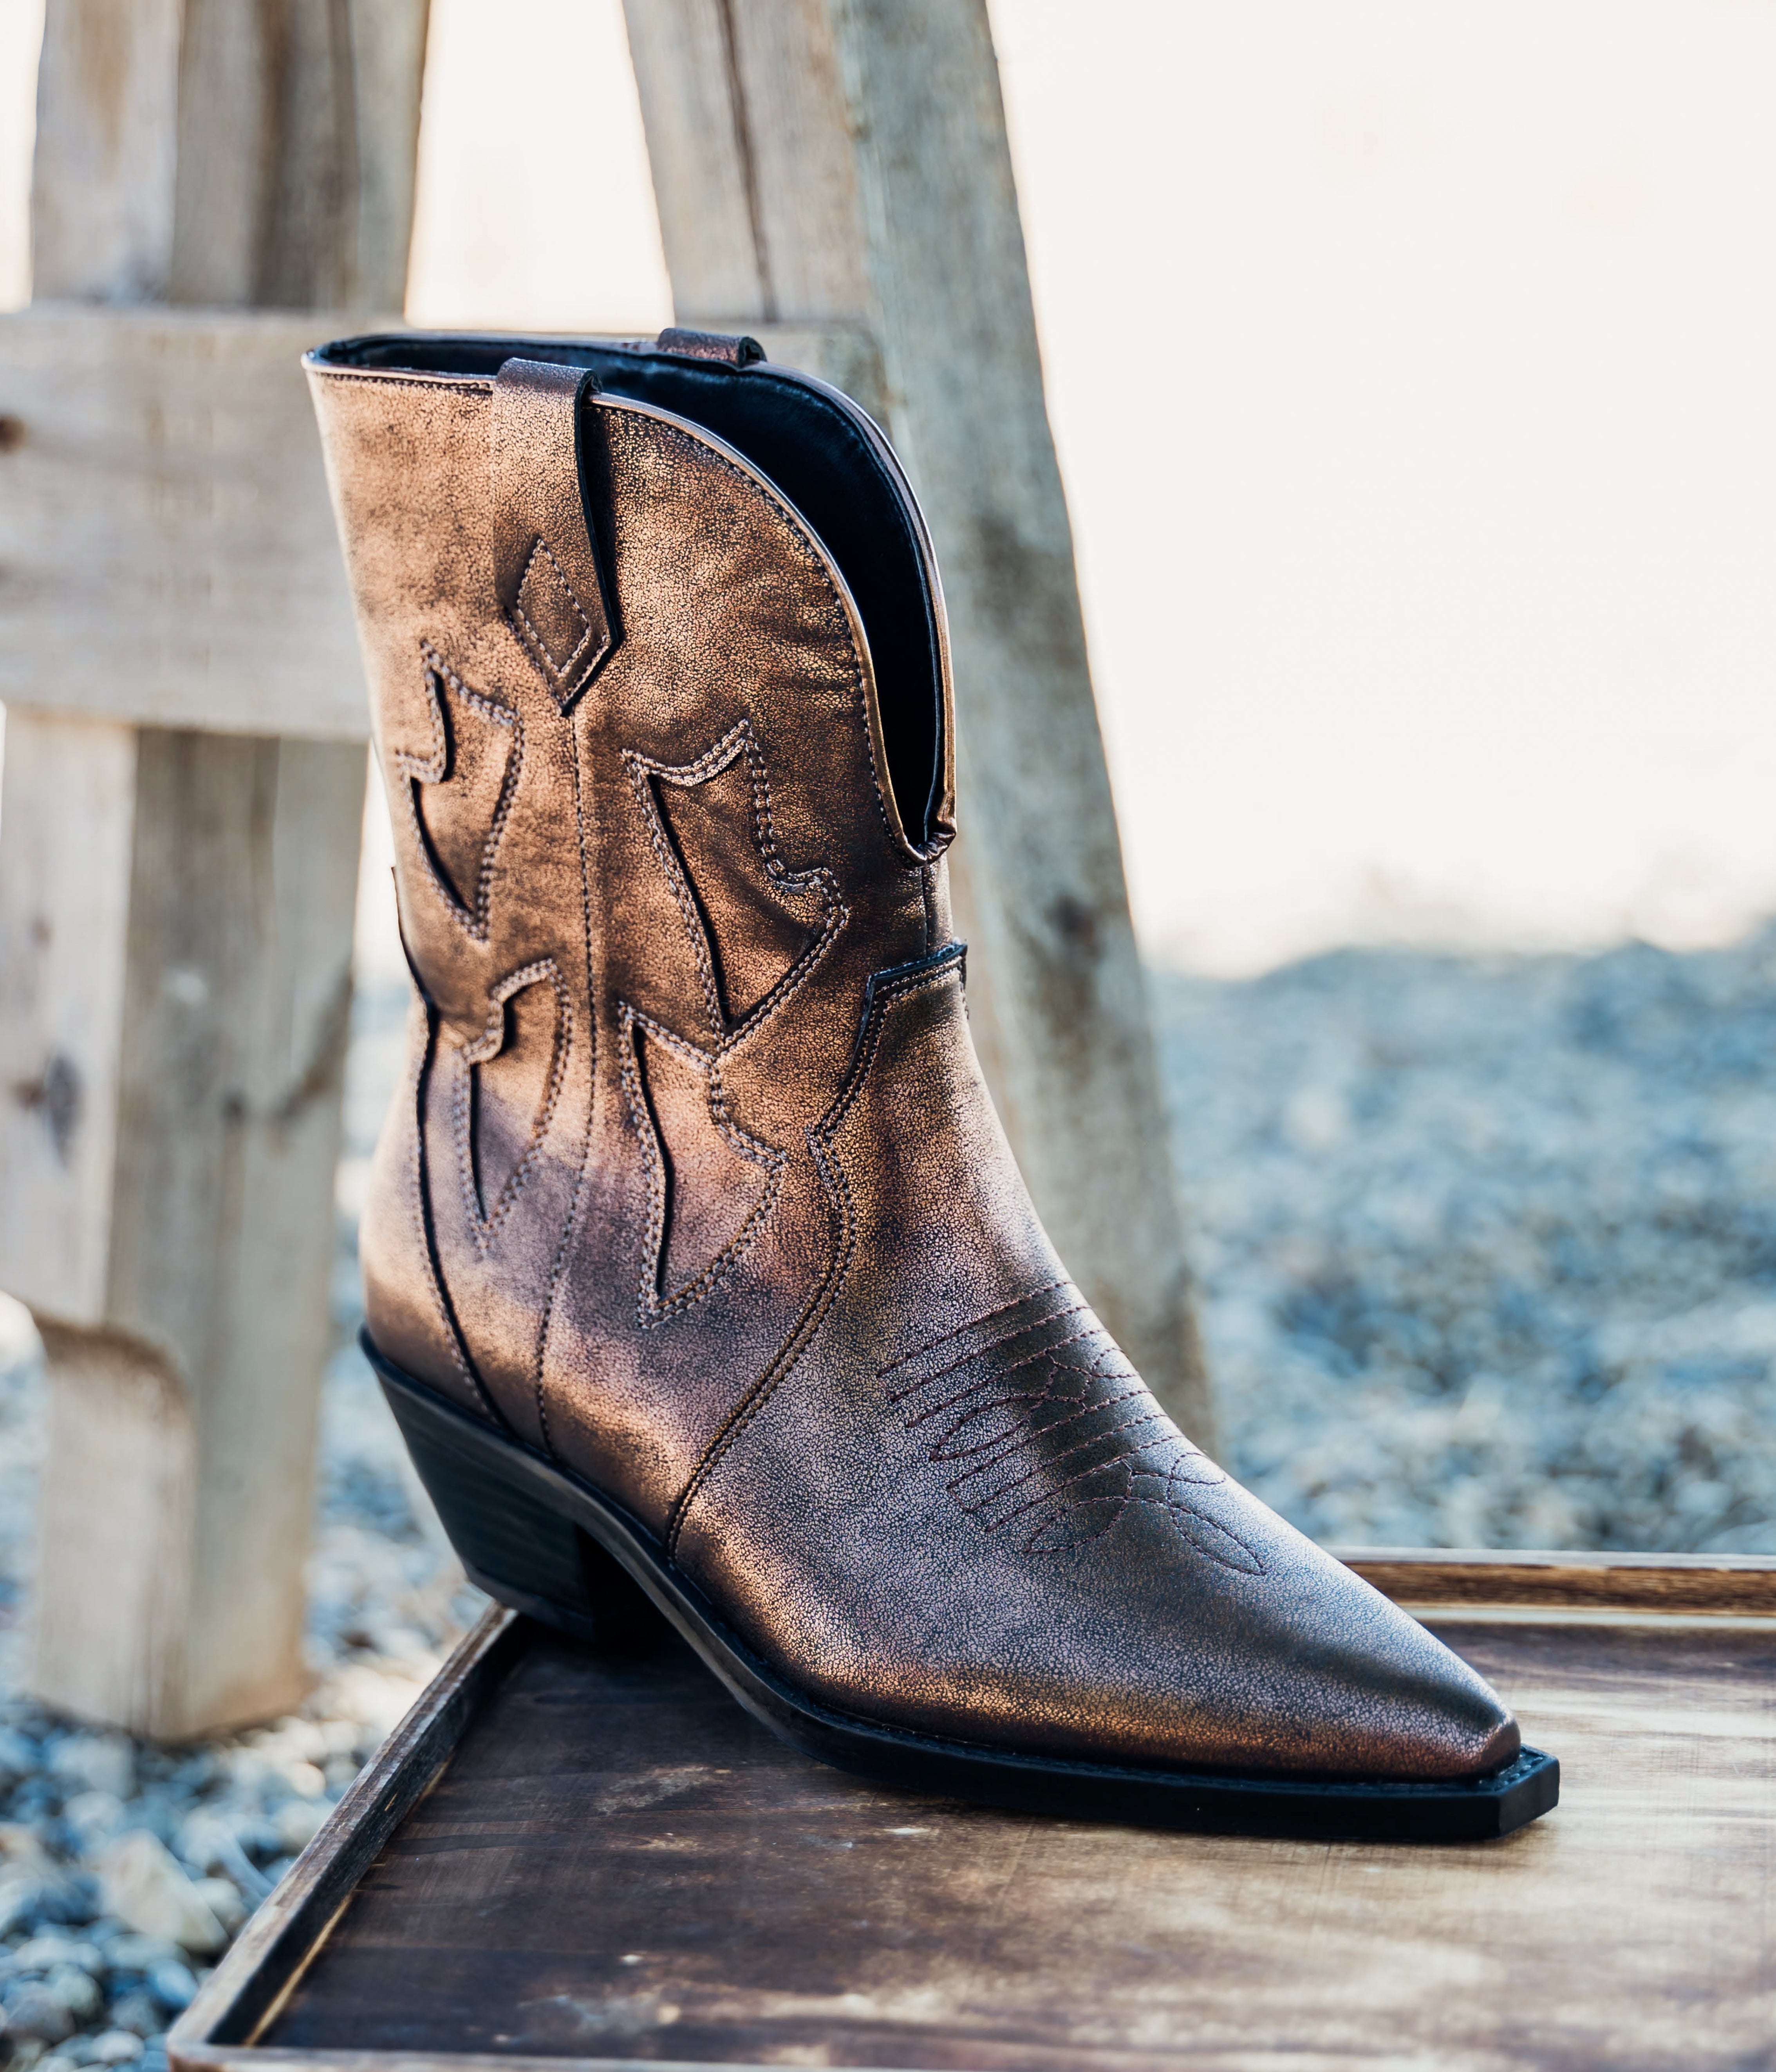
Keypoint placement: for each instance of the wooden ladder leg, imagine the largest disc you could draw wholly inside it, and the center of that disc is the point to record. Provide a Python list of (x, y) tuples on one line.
[(175, 942)]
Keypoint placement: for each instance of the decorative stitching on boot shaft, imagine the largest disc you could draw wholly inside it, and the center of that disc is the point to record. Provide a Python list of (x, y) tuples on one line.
[(654, 1304), (440, 767), (816, 882), (542, 655), (815, 555), (484, 1221)]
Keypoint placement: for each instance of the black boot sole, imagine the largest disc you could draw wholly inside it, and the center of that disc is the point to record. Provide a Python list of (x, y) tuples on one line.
[(533, 1535)]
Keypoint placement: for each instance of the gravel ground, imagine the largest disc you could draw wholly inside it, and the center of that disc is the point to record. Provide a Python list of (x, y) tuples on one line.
[(126, 1868), (1488, 1256), (1488, 1247)]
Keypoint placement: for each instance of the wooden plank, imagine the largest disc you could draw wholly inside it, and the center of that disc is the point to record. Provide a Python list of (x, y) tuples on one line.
[(845, 161), (619, 1867), (1707, 1584), (64, 923), (105, 161), (224, 152), (165, 461), (245, 1990), (170, 560), (188, 1333), (168, 545)]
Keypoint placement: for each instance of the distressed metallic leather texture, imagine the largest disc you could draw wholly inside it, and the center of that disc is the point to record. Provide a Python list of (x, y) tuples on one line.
[(693, 1182)]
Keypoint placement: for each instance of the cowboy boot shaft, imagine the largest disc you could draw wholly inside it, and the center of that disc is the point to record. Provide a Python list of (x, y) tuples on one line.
[(644, 894)]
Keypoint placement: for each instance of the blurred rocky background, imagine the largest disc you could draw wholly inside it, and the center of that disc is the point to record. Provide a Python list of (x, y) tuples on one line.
[(1488, 1246)]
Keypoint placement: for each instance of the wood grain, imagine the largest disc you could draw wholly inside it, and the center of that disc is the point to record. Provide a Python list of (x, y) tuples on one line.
[(227, 151), (167, 554), (619, 1868), (1707, 1584), (236, 2000), (168, 574), (68, 800), (190, 1348), (845, 161)]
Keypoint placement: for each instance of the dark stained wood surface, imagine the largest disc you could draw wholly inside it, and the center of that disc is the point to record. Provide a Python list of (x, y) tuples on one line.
[(619, 1866)]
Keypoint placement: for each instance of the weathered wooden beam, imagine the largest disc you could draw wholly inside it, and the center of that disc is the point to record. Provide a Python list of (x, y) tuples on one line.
[(845, 161), (177, 875), (169, 550), (232, 153), (172, 1054), (165, 461)]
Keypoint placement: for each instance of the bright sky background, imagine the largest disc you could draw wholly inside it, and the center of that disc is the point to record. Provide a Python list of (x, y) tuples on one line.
[(1428, 556)]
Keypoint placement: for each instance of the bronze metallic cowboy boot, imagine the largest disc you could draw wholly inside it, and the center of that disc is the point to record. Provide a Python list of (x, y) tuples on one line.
[(697, 1269)]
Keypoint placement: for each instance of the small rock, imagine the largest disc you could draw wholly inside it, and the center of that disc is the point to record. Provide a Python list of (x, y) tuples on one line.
[(299, 1822), (340, 1771), (146, 1889), (138, 2012), (71, 1898), (19, 1892), (33, 2010), (31, 1895), (76, 1989), (131, 1952), (212, 1840), (44, 1955), (91, 1819), (96, 1762), (172, 1985), (20, 1845), (115, 2046), (26, 2051), (222, 1896), (18, 1756)]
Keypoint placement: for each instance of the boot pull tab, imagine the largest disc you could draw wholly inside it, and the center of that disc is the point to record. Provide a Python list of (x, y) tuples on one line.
[(732, 351), (546, 574)]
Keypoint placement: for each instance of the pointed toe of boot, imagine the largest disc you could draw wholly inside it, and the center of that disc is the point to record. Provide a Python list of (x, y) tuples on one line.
[(1301, 1667), (1411, 1710), (1386, 1698)]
